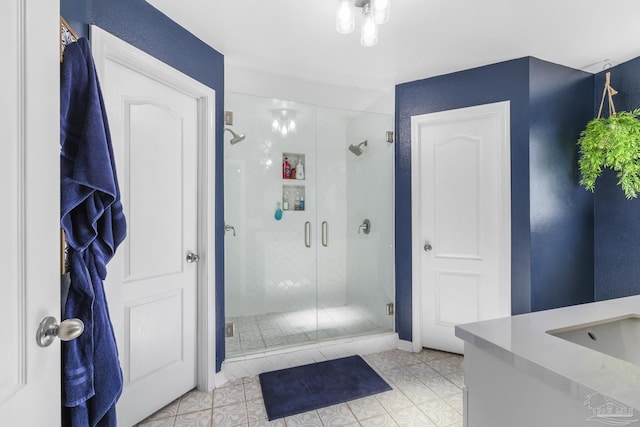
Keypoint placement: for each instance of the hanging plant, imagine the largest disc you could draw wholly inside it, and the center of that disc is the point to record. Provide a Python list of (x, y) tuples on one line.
[(614, 143)]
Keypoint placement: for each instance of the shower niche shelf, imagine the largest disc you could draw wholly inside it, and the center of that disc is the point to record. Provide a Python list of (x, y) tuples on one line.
[(293, 197), (294, 160), (293, 192)]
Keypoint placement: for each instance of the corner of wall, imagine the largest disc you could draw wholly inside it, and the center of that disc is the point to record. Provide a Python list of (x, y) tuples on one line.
[(561, 211)]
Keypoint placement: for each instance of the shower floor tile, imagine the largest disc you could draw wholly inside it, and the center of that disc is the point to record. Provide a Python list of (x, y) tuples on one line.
[(431, 399), (273, 330)]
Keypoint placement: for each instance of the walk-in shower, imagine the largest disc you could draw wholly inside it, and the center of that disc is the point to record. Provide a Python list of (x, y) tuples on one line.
[(311, 273)]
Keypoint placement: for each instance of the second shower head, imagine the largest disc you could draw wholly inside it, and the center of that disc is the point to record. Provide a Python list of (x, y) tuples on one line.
[(357, 149), (235, 137)]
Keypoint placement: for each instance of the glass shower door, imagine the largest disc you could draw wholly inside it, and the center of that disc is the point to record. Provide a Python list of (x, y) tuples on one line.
[(270, 261), (313, 273), (355, 270)]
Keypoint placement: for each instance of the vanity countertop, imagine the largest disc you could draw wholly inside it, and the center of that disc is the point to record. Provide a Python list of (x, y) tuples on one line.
[(523, 342)]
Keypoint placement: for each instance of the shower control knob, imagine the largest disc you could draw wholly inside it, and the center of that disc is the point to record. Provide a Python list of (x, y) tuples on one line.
[(191, 257), (427, 247)]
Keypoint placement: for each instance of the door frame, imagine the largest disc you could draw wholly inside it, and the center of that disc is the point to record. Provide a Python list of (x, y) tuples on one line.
[(504, 153), (105, 45)]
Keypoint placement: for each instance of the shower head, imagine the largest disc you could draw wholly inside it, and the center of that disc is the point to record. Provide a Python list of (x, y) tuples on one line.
[(235, 137), (357, 149)]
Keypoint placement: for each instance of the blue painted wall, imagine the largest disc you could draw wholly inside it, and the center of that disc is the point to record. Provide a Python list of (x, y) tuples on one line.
[(76, 13), (617, 220), (492, 83), (143, 26), (561, 211), (538, 91)]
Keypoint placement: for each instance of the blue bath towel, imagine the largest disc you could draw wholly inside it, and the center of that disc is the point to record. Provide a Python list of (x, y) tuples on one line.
[(93, 220)]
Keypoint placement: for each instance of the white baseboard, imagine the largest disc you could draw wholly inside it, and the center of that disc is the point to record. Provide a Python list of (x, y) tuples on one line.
[(220, 379), (406, 346)]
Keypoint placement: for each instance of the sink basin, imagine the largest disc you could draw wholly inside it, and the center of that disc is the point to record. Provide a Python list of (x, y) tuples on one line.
[(618, 337)]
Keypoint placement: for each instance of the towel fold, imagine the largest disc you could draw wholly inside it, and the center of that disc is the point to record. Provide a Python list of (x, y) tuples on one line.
[(93, 220)]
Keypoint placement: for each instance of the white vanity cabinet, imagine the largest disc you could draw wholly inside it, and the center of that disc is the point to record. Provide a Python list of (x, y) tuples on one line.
[(500, 394), (516, 374)]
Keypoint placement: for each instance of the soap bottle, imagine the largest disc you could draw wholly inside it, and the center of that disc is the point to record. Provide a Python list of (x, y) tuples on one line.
[(299, 170), (296, 205), (286, 168), (301, 203)]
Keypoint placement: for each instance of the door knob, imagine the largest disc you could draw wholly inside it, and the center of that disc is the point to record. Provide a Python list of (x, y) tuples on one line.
[(427, 247), (191, 257), (67, 330)]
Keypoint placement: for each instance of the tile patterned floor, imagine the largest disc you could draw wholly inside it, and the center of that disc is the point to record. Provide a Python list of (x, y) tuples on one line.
[(427, 391)]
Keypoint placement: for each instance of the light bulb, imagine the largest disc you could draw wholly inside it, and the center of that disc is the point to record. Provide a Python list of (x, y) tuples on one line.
[(381, 10), (284, 131), (369, 33), (292, 125), (275, 125), (345, 19)]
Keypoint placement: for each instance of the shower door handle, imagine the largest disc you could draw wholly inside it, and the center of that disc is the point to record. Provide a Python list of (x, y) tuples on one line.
[(325, 234), (307, 234)]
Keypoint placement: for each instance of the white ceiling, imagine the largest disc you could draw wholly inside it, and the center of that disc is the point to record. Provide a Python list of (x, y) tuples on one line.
[(424, 38)]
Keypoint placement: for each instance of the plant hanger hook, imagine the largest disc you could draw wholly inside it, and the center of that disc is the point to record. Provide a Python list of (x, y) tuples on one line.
[(608, 90)]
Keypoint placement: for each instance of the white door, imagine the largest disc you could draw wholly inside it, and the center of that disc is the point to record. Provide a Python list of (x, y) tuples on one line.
[(462, 219), (152, 283), (30, 214)]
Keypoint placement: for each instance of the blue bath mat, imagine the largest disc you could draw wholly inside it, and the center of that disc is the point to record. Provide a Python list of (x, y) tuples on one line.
[(305, 388)]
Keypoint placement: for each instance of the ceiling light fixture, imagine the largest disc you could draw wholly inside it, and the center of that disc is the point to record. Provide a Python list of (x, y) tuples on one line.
[(374, 13)]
